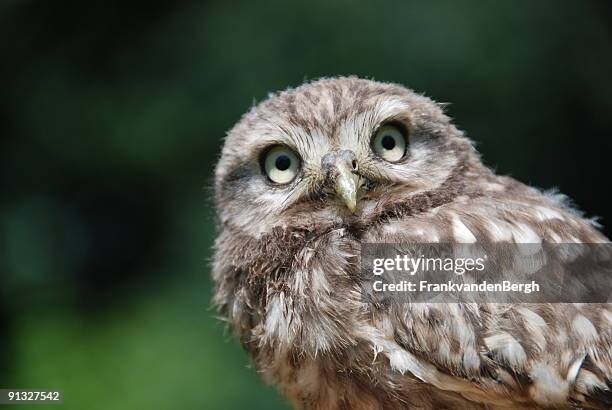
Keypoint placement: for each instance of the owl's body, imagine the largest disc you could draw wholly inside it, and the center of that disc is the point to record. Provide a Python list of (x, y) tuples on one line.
[(287, 259)]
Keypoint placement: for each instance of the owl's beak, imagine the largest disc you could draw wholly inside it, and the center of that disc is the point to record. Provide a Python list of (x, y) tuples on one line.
[(346, 187), (342, 177)]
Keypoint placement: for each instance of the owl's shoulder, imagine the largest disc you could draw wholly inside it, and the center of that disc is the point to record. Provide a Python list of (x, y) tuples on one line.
[(494, 210)]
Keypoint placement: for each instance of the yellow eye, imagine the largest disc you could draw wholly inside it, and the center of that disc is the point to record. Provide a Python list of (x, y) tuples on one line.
[(281, 165), (389, 143)]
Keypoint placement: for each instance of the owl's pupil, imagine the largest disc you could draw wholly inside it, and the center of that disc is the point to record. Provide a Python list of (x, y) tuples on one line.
[(388, 142), (282, 162)]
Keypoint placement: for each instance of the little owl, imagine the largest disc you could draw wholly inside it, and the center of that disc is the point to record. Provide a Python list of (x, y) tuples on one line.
[(306, 178)]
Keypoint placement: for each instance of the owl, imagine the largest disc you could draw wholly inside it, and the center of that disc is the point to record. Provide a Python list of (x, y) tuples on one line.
[(307, 177)]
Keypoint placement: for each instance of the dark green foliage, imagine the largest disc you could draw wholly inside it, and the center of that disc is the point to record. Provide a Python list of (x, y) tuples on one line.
[(112, 118)]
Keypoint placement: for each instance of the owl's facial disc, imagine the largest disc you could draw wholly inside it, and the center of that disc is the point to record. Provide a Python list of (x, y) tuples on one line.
[(342, 176), (333, 151)]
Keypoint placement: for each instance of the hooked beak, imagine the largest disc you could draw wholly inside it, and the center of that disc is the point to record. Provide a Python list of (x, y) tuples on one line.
[(346, 187), (342, 176)]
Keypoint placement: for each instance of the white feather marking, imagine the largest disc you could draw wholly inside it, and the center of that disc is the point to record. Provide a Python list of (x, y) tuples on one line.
[(524, 234), (532, 317), (607, 315), (444, 351), (499, 231), (572, 372), (543, 214), (547, 386), (377, 349), (319, 281), (276, 321), (560, 337), (584, 328), (554, 237), (401, 360), (535, 325), (471, 361), (493, 187), (429, 235), (507, 348), (461, 232), (464, 333)]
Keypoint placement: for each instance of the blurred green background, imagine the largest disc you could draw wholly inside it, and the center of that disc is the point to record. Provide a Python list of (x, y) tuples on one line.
[(112, 115)]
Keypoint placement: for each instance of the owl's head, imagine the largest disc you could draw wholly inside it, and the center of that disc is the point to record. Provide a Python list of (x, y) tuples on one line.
[(333, 151)]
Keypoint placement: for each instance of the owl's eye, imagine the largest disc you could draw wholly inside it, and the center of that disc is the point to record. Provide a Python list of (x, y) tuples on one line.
[(281, 164), (389, 143)]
